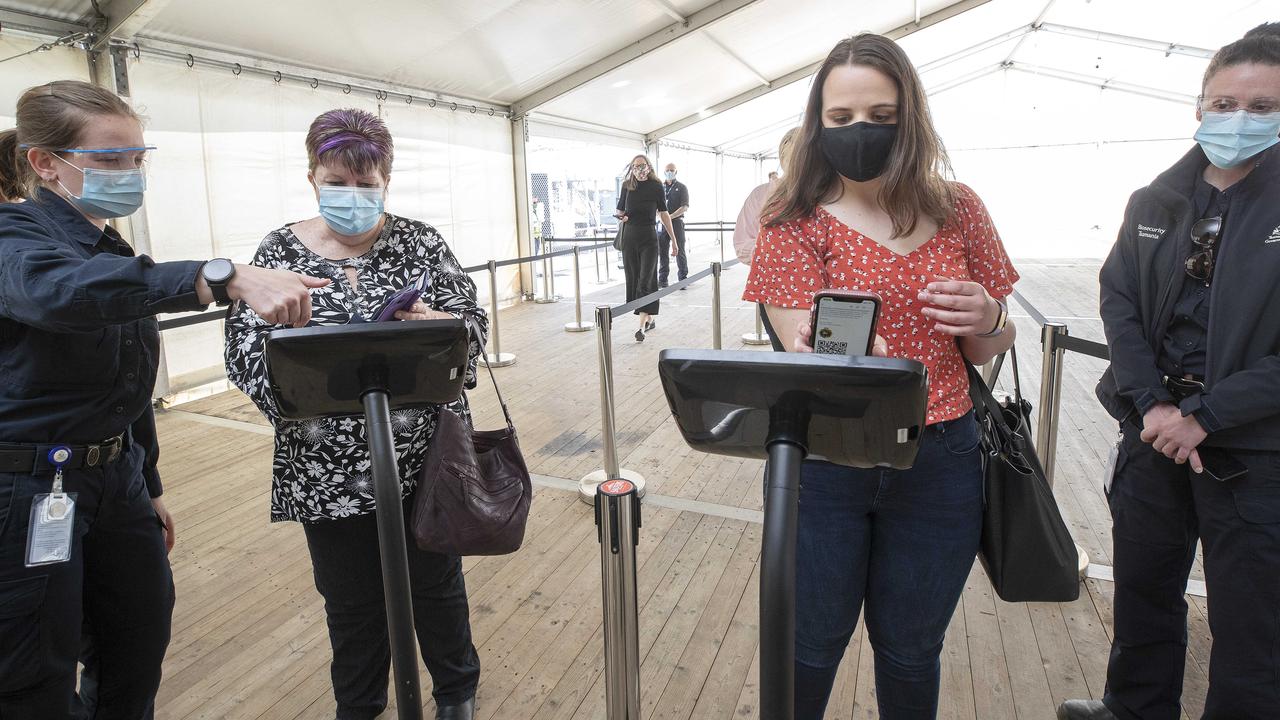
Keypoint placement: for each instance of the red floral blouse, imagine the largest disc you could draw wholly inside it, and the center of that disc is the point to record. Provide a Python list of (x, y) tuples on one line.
[(794, 260)]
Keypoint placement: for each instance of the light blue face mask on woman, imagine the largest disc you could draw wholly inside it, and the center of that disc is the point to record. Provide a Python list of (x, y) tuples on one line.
[(1229, 139), (108, 194), (350, 210)]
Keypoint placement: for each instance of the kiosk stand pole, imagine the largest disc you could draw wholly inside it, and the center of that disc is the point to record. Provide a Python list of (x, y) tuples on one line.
[(395, 553), (788, 430), (577, 325), (617, 523), (497, 358)]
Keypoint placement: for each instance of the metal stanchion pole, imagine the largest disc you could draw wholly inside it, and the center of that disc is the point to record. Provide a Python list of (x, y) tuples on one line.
[(609, 449), (1050, 398), (618, 521), (548, 289), (720, 234), (716, 334), (596, 252), (577, 325), (1050, 393), (758, 337), (497, 358)]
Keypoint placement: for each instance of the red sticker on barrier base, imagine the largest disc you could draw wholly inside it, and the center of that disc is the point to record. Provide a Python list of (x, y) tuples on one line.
[(616, 487)]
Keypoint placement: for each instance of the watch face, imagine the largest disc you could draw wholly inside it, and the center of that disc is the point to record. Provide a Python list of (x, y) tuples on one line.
[(218, 271)]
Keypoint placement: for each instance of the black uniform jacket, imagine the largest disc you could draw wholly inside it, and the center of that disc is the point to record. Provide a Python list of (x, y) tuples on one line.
[(79, 343), (1139, 284)]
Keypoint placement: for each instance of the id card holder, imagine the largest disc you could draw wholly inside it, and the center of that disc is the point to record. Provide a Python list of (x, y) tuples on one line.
[(53, 518)]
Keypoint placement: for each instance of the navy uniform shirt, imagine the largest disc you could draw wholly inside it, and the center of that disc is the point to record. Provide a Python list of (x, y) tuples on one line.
[(677, 196), (1183, 349), (79, 343)]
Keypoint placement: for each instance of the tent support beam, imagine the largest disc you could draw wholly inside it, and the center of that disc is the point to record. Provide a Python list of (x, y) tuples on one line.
[(1129, 40), (39, 24), (123, 19), (520, 177), (697, 21), (1105, 83), (1034, 26), (933, 18), (976, 48), (965, 79)]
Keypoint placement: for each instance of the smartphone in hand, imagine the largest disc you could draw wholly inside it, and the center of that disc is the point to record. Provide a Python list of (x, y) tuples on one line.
[(844, 321)]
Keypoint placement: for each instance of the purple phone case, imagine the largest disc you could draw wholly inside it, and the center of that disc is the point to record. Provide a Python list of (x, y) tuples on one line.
[(402, 300)]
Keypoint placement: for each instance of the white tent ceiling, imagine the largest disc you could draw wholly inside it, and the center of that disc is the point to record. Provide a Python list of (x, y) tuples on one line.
[(643, 65)]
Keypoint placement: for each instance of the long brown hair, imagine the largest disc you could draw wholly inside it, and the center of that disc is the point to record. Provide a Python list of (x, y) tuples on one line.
[(631, 183), (914, 185), (53, 116)]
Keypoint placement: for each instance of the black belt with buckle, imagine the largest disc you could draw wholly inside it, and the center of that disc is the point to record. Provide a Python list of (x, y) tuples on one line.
[(27, 457), (1182, 387)]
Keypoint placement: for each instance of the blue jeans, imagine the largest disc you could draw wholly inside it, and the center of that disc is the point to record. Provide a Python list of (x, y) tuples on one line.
[(903, 541)]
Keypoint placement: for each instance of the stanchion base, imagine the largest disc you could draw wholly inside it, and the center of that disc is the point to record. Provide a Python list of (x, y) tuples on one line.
[(754, 339), (545, 301), (1083, 561), (587, 485), (499, 360), (579, 326)]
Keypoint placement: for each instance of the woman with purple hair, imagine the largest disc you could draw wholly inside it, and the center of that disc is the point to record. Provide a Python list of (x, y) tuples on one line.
[(321, 469)]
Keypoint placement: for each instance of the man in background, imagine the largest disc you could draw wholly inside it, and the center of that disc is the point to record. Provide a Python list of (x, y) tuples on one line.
[(677, 204)]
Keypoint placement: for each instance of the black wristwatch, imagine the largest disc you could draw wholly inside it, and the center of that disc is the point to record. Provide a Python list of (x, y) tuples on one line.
[(217, 273)]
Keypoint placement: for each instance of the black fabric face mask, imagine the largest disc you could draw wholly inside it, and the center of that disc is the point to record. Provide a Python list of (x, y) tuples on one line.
[(859, 151)]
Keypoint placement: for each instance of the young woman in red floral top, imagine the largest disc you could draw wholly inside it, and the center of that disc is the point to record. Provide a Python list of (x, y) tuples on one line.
[(865, 207)]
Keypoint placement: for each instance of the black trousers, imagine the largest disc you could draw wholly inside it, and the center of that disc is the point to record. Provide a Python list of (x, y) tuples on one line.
[(1159, 510), (116, 591), (664, 253), (348, 574), (640, 264)]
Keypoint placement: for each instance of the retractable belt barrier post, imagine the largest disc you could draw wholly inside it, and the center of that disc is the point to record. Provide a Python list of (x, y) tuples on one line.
[(758, 337), (548, 280), (617, 509), (1050, 395), (497, 358), (716, 334), (577, 325), (609, 449)]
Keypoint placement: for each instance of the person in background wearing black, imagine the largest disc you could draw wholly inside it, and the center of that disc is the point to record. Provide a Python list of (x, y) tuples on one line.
[(640, 204), (676, 196), (79, 348), (1189, 305)]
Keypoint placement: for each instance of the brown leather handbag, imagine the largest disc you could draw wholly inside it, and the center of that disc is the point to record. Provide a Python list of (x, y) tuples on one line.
[(474, 490)]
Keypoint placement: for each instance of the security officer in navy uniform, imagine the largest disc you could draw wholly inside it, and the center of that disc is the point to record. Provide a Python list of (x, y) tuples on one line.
[(84, 533), (676, 195), (1191, 309)]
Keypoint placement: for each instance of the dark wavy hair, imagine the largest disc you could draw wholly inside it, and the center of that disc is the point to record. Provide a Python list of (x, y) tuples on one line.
[(914, 184), (1260, 45)]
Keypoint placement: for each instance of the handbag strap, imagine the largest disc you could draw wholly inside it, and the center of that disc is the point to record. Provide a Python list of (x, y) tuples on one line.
[(981, 394), (505, 413)]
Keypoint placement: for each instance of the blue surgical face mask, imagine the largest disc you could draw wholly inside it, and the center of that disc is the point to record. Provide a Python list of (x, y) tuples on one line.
[(670, 175), (1229, 139), (350, 210), (108, 194)]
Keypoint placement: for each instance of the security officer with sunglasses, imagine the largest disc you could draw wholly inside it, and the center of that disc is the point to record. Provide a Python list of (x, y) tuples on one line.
[(1191, 310)]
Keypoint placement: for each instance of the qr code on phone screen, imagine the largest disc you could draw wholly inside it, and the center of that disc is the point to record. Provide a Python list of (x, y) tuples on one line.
[(831, 347)]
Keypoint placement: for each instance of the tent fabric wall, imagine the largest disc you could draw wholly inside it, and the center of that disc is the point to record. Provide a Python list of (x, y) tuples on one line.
[(231, 166), (20, 73)]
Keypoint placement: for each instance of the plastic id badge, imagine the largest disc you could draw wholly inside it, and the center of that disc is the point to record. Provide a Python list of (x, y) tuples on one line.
[(1113, 459), (53, 518)]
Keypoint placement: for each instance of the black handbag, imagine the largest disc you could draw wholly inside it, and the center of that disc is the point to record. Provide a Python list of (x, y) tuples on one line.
[(617, 239), (1027, 549), (474, 490)]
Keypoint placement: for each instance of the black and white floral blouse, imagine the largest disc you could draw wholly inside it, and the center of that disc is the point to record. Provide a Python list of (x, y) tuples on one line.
[(321, 470)]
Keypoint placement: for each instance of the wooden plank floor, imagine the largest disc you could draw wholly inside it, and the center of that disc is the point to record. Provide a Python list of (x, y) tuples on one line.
[(249, 639)]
